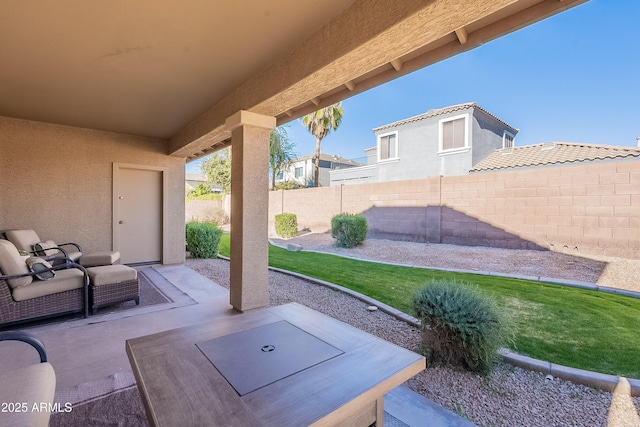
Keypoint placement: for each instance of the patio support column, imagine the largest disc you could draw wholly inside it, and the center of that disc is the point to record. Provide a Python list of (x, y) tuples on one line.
[(249, 208)]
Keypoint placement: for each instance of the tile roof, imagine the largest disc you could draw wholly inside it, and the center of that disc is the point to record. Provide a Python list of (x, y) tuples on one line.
[(551, 153), (437, 112)]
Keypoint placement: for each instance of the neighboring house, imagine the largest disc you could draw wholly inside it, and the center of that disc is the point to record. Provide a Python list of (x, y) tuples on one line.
[(301, 170), (447, 141), (192, 180), (553, 154)]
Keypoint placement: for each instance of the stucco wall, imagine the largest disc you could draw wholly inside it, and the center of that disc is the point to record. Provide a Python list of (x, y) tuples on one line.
[(580, 209), (487, 136), (417, 148), (419, 153), (58, 181)]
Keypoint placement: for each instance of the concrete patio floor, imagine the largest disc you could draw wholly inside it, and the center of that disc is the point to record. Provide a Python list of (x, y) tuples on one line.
[(90, 359)]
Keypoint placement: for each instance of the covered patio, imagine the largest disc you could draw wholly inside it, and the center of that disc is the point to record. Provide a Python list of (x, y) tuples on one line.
[(103, 104), (92, 365)]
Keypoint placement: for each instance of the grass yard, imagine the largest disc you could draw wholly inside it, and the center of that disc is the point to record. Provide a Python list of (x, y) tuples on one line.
[(583, 329)]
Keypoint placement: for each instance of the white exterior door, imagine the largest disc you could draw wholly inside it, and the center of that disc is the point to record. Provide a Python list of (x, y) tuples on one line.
[(138, 213)]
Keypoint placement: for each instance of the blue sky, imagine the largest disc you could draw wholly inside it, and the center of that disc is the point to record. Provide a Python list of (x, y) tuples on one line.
[(574, 77)]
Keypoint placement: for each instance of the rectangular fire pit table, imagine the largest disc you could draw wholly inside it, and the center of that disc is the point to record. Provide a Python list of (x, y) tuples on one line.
[(281, 366)]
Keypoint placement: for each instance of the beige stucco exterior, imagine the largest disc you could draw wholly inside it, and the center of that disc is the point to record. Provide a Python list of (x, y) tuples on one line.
[(58, 180), (249, 209)]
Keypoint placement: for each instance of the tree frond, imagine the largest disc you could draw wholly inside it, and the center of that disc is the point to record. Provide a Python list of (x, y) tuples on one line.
[(322, 121)]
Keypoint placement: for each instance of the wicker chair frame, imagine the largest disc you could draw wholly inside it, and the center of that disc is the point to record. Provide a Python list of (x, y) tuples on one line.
[(114, 292), (73, 301)]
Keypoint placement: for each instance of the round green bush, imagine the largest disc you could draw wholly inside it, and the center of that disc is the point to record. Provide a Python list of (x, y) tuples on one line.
[(349, 230), (461, 327), (286, 225), (203, 239)]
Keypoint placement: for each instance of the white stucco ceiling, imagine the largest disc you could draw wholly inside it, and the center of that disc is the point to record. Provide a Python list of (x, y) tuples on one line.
[(142, 67)]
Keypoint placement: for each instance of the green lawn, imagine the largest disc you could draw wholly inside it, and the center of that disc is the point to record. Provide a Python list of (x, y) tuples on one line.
[(568, 326)]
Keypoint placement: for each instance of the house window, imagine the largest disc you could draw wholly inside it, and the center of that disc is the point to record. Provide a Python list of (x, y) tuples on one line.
[(507, 139), (388, 146), (453, 133), (298, 172)]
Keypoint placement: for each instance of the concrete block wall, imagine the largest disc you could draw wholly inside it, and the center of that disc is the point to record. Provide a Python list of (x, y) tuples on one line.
[(590, 209), (205, 210), (314, 207), (579, 209), (395, 210), (489, 210)]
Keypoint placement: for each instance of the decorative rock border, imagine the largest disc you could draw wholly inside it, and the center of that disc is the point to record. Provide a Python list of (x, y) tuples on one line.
[(578, 376)]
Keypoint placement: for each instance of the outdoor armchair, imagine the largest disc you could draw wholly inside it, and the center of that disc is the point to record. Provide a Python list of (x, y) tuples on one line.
[(27, 393), (28, 241), (43, 292)]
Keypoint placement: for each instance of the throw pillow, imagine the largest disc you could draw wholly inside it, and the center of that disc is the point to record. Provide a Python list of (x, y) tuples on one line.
[(41, 267), (45, 248)]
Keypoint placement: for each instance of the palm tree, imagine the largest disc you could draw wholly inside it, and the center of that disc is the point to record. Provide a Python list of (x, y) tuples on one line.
[(320, 123), (280, 153)]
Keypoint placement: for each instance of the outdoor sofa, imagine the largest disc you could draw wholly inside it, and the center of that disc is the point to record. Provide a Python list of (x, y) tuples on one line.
[(25, 297), (27, 393)]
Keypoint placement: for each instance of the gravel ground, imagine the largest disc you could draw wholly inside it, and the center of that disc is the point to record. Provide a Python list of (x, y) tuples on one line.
[(510, 396)]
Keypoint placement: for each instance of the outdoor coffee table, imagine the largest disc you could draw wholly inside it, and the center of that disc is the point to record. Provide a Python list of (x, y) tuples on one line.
[(281, 366)]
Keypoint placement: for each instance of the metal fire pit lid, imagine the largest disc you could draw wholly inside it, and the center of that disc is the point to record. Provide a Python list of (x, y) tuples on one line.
[(257, 357)]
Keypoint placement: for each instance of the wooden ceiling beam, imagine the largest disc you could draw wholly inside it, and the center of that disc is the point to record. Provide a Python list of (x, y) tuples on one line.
[(396, 64), (462, 35)]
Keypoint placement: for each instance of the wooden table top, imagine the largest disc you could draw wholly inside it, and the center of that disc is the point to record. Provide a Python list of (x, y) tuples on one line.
[(180, 386)]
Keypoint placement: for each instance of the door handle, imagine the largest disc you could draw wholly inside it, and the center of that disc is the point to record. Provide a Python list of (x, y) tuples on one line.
[(120, 222)]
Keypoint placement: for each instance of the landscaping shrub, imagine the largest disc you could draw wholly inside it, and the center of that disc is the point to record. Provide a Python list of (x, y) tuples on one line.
[(209, 196), (203, 239), (202, 192), (286, 225), (461, 327), (286, 185), (349, 230)]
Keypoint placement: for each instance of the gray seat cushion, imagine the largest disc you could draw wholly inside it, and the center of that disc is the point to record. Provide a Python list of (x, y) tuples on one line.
[(27, 239), (23, 239), (74, 255), (108, 274), (65, 280), (11, 264), (99, 258)]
